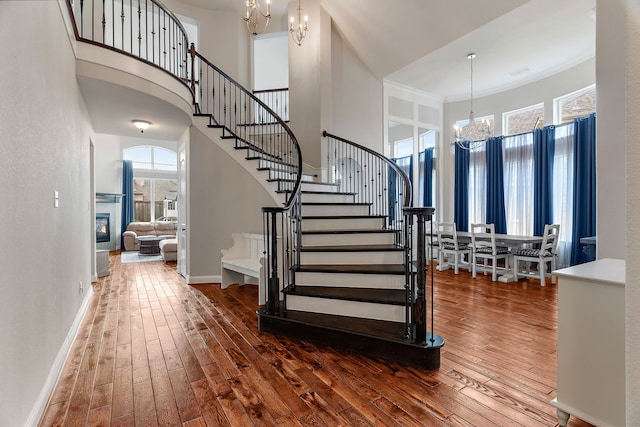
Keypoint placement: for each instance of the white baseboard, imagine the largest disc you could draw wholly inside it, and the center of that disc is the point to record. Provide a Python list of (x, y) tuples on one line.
[(56, 369), (199, 280)]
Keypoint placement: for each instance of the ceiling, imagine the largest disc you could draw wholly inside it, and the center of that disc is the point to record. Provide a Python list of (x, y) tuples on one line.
[(516, 41)]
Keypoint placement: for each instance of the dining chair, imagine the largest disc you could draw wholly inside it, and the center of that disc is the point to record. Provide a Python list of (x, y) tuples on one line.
[(483, 245), (432, 238), (544, 255), (449, 245)]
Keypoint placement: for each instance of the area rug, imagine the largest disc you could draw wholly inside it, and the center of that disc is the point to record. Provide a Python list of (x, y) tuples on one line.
[(134, 256)]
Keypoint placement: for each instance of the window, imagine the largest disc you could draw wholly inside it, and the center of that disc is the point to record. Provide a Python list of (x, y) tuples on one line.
[(517, 160), (576, 104), (427, 146), (154, 180), (149, 195), (523, 120), (151, 158), (403, 148)]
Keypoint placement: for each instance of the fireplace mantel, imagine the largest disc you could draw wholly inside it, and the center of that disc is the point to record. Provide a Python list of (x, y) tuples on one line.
[(108, 197)]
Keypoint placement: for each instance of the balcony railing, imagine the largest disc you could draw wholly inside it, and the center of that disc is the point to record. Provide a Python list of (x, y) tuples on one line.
[(144, 29)]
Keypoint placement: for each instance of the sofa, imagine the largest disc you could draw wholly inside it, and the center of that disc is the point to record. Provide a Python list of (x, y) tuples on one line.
[(166, 229)]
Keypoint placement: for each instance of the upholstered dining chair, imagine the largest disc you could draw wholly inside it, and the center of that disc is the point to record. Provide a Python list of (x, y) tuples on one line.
[(432, 238), (449, 245), (544, 255), (483, 245)]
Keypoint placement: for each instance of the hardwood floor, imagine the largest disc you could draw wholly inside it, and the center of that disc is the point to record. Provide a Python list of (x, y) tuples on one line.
[(155, 351)]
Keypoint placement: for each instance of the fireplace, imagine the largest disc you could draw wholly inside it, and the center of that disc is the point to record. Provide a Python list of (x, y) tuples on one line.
[(103, 232)]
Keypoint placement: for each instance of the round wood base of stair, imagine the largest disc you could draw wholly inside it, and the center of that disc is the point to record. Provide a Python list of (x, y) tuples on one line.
[(322, 329)]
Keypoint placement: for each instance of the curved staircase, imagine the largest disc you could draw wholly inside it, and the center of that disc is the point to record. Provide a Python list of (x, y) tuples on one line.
[(345, 260)]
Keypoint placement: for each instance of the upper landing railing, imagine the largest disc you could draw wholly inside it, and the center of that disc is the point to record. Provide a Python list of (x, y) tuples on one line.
[(144, 29)]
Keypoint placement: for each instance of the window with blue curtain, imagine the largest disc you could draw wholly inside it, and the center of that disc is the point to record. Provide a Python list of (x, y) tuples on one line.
[(406, 164), (532, 179), (127, 199), (425, 185), (495, 185), (543, 153), (461, 187), (584, 186)]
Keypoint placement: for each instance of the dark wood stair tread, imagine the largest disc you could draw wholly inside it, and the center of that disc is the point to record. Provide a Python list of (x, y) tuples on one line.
[(394, 269), (342, 216), (370, 295), (335, 204), (351, 248)]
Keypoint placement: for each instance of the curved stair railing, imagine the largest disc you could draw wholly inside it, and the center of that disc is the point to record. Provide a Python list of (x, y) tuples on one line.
[(143, 29), (148, 31), (380, 182), (267, 138)]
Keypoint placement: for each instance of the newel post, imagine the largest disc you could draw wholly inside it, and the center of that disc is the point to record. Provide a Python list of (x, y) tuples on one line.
[(420, 307), (270, 223)]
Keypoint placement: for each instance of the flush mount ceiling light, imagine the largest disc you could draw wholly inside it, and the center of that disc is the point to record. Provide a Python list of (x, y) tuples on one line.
[(142, 125), (256, 20)]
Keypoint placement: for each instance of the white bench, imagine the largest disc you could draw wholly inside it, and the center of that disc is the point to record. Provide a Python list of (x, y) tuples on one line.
[(244, 259)]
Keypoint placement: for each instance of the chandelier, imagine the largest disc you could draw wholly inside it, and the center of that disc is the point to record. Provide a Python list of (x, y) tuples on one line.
[(256, 20), (475, 132), (298, 32)]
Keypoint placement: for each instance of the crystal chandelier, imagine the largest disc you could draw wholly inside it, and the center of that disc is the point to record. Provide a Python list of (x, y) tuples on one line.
[(475, 133), (256, 20), (298, 32)]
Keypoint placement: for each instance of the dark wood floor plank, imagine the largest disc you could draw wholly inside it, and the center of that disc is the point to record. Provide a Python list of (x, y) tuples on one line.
[(154, 351), (186, 401), (212, 412)]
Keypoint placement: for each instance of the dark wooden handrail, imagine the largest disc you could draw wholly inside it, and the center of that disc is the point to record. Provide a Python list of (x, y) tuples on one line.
[(395, 167)]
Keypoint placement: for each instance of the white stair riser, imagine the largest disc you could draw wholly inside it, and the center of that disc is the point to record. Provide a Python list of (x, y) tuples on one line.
[(348, 239), (327, 198), (265, 163), (318, 210), (352, 280), (329, 188), (341, 258), (342, 224), (364, 310)]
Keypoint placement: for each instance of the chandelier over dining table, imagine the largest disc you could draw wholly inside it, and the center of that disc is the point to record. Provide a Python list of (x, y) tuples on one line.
[(475, 132)]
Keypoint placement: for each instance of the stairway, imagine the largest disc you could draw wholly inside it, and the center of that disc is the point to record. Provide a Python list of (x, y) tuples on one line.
[(349, 289)]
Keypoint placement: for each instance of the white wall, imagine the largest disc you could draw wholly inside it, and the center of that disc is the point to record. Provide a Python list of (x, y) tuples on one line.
[(613, 13), (223, 199), (305, 94), (223, 37), (356, 112), (271, 61), (544, 90), (44, 146), (611, 86)]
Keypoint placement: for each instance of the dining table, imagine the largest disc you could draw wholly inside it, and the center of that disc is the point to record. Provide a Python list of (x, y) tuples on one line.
[(512, 241)]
